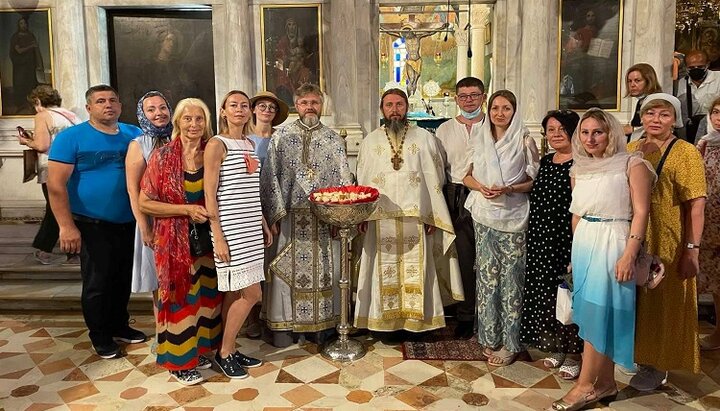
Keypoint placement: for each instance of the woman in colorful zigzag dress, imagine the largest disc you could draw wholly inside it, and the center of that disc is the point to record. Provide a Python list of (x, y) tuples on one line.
[(189, 322)]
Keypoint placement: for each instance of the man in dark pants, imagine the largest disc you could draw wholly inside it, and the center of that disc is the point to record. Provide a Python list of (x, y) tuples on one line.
[(454, 140), (86, 183)]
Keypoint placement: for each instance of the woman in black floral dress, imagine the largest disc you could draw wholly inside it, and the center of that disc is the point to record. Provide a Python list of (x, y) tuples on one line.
[(548, 250)]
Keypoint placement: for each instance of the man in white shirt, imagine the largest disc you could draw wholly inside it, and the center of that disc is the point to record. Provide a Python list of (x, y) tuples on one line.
[(704, 87), (454, 142)]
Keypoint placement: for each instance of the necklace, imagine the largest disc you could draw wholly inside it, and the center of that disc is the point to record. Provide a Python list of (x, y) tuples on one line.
[(396, 158)]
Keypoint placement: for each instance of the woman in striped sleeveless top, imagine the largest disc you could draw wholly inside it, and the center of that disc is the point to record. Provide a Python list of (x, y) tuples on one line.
[(232, 197)]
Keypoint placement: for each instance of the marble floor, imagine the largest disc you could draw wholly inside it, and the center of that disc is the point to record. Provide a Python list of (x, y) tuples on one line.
[(47, 363)]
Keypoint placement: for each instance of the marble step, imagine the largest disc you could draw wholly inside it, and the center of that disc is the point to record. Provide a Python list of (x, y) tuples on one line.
[(61, 295), (25, 267)]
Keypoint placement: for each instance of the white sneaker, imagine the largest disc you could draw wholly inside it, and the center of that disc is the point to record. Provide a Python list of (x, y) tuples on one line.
[(628, 371), (187, 377), (648, 378)]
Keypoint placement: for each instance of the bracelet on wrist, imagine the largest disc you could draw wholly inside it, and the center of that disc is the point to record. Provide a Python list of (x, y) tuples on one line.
[(636, 237)]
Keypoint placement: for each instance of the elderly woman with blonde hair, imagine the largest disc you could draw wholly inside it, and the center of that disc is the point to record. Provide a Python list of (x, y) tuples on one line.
[(189, 322)]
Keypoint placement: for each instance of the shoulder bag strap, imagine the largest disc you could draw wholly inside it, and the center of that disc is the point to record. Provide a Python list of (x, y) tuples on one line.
[(664, 156), (64, 115), (688, 95)]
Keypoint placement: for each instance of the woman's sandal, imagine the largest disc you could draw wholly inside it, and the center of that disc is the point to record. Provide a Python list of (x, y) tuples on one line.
[(554, 360), (591, 397), (502, 357), (570, 369)]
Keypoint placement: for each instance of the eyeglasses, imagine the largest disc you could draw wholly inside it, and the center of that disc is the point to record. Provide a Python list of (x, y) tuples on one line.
[(304, 103), (465, 97), (267, 107)]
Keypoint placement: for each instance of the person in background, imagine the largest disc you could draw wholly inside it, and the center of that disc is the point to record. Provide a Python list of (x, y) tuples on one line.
[(697, 91), (88, 196), (666, 331), (709, 277), (456, 148), (505, 163), (549, 240), (189, 322), (610, 211), (268, 112), (239, 231), (49, 121), (640, 81), (154, 115)]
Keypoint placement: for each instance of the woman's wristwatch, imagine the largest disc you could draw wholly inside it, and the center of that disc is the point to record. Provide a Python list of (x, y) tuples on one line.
[(691, 246)]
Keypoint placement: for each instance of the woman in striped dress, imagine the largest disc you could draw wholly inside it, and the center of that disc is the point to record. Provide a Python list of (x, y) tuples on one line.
[(232, 197), (189, 304)]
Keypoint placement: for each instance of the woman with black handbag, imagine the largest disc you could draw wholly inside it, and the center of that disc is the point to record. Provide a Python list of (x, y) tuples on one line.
[(189, 305)]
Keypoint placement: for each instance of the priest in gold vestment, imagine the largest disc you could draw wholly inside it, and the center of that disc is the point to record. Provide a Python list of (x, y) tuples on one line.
[(409, 266)]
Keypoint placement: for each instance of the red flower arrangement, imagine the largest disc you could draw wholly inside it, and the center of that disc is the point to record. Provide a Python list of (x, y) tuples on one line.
[(344, 195)]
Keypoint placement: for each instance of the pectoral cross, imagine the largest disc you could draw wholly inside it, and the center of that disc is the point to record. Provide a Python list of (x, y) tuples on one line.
[(397, 161)]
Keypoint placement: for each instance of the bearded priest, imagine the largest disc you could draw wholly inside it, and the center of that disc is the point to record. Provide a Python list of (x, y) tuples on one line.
[(409, 267)]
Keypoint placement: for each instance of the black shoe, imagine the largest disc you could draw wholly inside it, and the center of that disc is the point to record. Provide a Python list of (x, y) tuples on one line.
[(230, 366), (245, 361), (464, 330), (108, 351), (130, 336), (203, 363)]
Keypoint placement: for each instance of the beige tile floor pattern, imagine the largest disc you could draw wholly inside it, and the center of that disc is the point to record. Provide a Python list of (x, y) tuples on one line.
[(47, 363)]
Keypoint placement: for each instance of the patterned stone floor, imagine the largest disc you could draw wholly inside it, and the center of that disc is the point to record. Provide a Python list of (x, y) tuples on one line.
[(46, 362)]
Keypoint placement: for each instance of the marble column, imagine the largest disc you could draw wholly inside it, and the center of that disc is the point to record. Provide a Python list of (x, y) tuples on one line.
[(653, 37), (461, 40), (479, 19), (71, 80), (238, 48), (537, 89), (341, 43)]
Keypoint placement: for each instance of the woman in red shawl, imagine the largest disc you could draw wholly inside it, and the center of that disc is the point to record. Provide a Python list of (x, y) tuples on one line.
[(189, 323)]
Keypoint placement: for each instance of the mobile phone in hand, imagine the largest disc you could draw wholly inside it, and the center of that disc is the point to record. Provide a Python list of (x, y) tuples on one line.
[(23, 133)]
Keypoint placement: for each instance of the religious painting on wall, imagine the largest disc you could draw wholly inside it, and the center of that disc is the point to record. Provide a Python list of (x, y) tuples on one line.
[(170, 51), (705, 36), (291, 48), (589, 50), (26, 58), (419, 49)]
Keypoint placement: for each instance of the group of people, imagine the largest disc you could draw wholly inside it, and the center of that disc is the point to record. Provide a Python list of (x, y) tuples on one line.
[(582, 217), (214, 225)]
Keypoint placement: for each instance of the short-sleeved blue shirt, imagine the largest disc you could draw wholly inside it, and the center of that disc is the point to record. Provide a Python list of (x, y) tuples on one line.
[(97, 187)]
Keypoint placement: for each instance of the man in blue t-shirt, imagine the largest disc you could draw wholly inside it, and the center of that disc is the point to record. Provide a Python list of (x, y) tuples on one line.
[(88, 196)]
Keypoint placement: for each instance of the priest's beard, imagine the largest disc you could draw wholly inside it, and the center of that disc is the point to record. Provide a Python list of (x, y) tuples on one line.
[(309, 120), (396, 125)]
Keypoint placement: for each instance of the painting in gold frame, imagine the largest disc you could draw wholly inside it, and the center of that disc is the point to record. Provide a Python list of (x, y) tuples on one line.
[(291, 48), (589, 52), (26, 58)]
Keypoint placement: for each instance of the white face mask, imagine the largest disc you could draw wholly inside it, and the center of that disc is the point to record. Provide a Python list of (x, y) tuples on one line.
[(471, 115)]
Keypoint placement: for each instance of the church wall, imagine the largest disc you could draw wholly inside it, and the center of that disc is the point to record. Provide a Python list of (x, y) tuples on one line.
[(524, 51)]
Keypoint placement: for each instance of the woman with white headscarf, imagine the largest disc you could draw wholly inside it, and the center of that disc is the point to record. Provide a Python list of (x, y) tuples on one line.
[(709, 277), (505, 162), (610, 207), (667, 327)]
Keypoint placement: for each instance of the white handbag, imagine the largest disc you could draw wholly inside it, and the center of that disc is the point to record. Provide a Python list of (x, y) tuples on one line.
[(563, 306)]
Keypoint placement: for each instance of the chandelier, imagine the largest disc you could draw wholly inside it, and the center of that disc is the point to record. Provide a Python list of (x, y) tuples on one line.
[(691, 12)]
